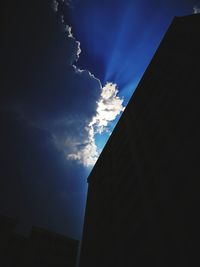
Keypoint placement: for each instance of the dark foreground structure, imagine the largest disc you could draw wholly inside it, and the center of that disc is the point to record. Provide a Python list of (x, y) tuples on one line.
[(42, 248), (144, 191)]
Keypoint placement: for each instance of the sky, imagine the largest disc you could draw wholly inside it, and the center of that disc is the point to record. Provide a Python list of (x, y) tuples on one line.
[(69, 68)]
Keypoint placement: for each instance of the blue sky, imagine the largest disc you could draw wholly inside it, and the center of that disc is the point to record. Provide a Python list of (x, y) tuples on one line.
[(118, 40), (69, 69)]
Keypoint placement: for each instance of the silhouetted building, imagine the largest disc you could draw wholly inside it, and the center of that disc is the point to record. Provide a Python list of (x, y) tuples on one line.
[(52, 249), (42, 248), (144, 191), (7, 227)]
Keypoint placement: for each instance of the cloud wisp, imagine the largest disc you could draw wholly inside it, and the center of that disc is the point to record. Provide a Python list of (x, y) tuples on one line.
[(55, 5), (70, 3), (68, 31), (109, 106), (196, 10)]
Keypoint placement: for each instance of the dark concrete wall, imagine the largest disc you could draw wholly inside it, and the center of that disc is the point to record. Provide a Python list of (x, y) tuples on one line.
[(144, 191)]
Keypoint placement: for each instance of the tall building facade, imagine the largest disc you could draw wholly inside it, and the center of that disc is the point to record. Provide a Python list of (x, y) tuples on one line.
[(144, 191)]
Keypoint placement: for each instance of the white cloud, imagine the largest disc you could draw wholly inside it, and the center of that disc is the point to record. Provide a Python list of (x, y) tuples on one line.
[(196, 10), (78, 143), (55, 5), (87, 153), (109, 106), (68, 30), (86, 73), (73, 135)]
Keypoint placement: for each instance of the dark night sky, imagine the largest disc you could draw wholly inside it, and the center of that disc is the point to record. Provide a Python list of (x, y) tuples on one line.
[(56, 111)]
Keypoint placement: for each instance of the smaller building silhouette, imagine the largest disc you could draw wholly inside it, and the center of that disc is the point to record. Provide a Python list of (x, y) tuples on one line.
[(41, 248)]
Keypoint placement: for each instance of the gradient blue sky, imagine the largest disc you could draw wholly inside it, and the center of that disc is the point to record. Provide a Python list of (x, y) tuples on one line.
[(56, 108)]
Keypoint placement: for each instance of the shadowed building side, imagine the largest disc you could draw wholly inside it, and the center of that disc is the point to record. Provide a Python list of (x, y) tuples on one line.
[(143, 195)]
